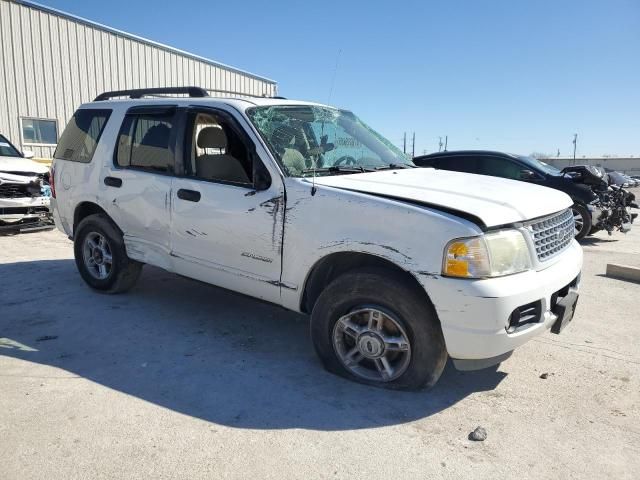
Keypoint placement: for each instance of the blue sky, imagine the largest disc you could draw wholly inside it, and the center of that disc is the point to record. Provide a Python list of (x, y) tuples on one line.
[(519, 76)]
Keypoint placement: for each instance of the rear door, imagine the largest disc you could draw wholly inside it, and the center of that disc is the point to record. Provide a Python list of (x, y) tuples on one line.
[(139, 182), (227, 220)]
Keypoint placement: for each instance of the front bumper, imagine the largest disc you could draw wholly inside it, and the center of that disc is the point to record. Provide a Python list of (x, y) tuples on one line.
[(14, 210), (475, 314)]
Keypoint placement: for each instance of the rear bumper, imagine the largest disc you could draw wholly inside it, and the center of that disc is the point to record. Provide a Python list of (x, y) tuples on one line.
[(475, 314)]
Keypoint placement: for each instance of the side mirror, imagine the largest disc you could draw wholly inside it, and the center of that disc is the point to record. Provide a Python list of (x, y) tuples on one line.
[(527, 174), (28, 154), (261, 177)]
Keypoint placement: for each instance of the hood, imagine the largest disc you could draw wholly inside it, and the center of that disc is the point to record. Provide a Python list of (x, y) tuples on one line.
[(19, 164), (494, 201)]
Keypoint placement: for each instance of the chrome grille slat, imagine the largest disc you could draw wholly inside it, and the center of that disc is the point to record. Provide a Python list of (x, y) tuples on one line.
[(552, 235)]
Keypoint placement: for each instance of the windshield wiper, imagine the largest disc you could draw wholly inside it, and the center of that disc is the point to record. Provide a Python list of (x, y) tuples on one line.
[(395, 166), (340, 169)]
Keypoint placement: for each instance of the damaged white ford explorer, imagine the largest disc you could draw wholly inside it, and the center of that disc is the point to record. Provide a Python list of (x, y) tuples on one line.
[(24, 191), (305, 206)]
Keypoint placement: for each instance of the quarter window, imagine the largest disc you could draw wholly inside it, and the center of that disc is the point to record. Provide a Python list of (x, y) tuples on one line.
[(80, 138), (36, 131), (144, 142)]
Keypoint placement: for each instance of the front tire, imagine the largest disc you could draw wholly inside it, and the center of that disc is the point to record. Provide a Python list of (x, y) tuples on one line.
[(377, 328), (582, 219), (101, 256)]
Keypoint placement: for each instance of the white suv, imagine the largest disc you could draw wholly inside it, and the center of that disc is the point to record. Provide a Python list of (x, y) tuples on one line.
[(305, 206)]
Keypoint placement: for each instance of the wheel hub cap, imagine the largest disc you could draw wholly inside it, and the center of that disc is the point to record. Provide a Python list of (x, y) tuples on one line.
[(370, 345)]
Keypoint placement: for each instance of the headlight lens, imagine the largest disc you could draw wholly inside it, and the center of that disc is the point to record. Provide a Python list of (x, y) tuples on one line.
[(491, 255)]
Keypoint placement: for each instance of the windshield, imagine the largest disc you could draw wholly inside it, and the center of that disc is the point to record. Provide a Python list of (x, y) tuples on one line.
[(304, 138), (6, 149), (540, 165)]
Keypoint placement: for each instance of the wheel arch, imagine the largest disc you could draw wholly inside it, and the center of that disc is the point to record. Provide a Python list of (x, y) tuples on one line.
[(86, 208), (329, 267)]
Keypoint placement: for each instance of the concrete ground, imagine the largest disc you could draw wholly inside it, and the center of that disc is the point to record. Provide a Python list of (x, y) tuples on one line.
[(178, 379)]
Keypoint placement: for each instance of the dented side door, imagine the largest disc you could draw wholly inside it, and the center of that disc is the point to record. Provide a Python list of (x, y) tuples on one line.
[(230, 235)]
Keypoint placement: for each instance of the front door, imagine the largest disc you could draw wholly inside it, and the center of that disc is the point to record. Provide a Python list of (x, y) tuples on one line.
[(226, 229)]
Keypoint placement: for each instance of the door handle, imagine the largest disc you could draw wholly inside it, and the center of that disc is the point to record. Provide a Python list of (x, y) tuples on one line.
[(189, 195), (113, 182)]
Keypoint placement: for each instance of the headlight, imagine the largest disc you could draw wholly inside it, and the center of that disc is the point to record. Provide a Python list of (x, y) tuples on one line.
[(491, 255)]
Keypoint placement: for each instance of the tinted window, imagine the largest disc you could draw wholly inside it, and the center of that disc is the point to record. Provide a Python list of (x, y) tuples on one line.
[(456, 163), (39, 131), (144, 142), (499, 167), (80, 138), (6, 149)]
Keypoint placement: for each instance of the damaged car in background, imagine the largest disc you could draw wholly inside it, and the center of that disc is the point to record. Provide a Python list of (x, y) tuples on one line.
[(24, 191), (598, 204)]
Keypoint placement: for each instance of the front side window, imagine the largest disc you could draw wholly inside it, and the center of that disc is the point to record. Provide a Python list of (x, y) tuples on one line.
[(6, 149), (217, 152), (144, 142), (540, 165), (81, 135), (305, 138), (37, 131)]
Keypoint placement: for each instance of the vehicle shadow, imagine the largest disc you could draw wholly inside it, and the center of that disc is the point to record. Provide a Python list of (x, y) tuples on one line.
[(595, 241), (201, 351)]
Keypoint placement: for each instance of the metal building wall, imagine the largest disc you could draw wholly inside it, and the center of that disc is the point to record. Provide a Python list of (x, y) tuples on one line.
[(51, 62)]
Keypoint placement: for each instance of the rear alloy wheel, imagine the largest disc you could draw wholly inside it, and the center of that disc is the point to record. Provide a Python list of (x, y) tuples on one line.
[(96, 252), (101, 256), (582, 221)]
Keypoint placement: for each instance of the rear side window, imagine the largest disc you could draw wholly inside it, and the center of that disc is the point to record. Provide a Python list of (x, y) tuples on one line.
[(82, 134), (457, 164), (144, 142)]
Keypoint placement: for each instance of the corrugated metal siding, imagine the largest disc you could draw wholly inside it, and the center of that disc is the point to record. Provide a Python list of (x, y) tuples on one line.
[(50, 64)]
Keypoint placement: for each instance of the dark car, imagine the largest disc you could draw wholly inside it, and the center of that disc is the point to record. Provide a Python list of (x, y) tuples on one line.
[(620, 179), (527, 169)]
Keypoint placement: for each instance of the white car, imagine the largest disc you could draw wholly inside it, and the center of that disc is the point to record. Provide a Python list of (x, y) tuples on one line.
[(305, 206), (24, 190)]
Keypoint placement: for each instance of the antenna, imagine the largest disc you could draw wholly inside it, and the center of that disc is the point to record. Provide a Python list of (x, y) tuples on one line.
[(333, 80), (446, 142), (313, 181), (413, 146)]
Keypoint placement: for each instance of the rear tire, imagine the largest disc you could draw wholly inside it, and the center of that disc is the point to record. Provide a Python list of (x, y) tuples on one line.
[(101, 256), (377, 328), (582, 218)]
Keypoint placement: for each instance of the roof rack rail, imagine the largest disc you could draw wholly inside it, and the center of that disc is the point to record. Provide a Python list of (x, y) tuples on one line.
[(141, 92), (239, 94)]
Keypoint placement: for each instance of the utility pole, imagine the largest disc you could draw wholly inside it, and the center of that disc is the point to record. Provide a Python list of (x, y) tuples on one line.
[(440, 144), (446, 141), (575, 142), (413, 147), (404, 143)]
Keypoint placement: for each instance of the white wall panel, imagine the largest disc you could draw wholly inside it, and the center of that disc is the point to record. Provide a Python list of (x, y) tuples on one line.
[(51, 62)]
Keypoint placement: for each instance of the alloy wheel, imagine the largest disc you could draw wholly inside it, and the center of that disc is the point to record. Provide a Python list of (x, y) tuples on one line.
[(371, 343), (97, 255), (578, 221)]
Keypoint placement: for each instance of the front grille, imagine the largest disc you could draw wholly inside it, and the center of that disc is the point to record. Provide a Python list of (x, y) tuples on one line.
[(12, 190), (553, 234)]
